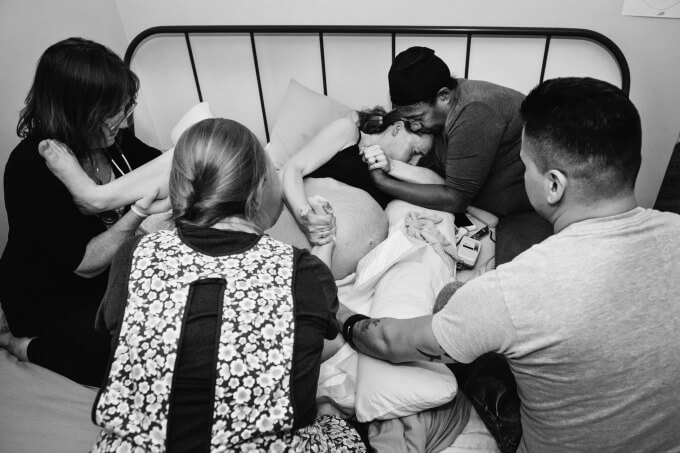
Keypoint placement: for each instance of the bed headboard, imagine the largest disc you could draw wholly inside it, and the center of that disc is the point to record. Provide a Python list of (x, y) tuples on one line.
[(244, 71)]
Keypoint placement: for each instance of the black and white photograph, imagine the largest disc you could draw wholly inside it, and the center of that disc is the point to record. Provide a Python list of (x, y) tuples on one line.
[(339, 226)]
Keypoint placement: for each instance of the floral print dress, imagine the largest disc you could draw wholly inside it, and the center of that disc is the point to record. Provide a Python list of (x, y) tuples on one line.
[(252, 408)]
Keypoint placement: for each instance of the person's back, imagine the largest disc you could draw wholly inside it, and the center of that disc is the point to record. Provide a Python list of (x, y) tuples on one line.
[(496, 108), (596, 320), (502, 102), (218, 330)]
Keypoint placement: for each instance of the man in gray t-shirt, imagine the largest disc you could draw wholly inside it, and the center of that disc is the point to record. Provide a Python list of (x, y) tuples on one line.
[(589, 319)]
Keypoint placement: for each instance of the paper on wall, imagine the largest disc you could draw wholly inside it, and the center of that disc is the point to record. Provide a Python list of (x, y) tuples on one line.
[(668, 9)]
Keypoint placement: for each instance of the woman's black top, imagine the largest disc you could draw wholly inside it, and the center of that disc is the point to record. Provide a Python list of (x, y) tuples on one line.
[(191, 403), (347, 167), (48, 236)]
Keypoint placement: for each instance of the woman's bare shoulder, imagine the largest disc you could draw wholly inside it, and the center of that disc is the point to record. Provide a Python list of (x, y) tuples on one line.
[(341, 132), (347, 123)]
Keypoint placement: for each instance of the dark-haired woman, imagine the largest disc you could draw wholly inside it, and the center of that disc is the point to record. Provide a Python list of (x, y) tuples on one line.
[(55, 265), (334, 164)]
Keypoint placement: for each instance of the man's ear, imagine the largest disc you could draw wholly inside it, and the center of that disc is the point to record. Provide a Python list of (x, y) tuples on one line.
[(557, 184), (396, 127), (444, 94)]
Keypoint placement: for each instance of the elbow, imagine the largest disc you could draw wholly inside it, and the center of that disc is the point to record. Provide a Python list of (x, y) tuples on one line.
[(455, 201), (290, 173)]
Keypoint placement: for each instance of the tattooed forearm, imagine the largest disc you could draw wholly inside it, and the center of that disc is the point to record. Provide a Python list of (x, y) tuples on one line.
[(367, 324), (395, 340)]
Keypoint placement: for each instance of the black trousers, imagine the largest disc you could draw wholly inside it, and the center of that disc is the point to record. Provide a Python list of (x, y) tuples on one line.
[(69, 345), (490, 386)]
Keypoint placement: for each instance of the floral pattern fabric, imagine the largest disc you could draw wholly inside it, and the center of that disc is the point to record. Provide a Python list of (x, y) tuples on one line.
[(252, 409), (328, 434)]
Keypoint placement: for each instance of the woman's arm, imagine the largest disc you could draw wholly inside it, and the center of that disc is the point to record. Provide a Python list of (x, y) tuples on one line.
[(326, 144), (93, 198), (324, 244), (331, 347), (101, 249)]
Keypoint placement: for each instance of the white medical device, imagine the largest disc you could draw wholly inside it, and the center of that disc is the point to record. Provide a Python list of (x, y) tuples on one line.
[(468, 251)]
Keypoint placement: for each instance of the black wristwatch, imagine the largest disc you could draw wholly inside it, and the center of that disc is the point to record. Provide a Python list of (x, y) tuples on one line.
[(348, 326)]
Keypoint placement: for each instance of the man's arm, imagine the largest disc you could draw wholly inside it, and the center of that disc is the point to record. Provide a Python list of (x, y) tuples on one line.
[(395, 340), (475, 320), (431, 196), (412, 173)]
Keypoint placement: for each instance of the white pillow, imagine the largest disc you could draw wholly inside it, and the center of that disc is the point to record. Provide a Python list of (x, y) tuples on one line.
[(303, 114), (198, 112), (403, 277), (385, 390)]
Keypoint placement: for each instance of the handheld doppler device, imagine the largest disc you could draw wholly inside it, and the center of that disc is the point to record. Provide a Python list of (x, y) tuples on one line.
[(468, 251)]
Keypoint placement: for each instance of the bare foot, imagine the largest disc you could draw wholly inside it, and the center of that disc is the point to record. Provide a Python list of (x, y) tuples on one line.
[(5, 339), (16, 346), (65, 166)]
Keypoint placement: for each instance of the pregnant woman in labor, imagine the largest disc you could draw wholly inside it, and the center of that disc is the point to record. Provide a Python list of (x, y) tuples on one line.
[(330, 166)]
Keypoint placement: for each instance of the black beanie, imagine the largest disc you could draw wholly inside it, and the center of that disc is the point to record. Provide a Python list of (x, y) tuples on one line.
[(416, 75)]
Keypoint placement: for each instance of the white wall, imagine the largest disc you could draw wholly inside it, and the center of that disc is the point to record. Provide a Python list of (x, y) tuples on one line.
[(650, 45), (27, 28)]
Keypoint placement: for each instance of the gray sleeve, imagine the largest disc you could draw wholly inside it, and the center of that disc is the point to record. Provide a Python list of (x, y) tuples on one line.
[(473, 141), (475, 321)]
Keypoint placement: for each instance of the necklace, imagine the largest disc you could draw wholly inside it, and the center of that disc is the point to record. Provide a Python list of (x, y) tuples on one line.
[(97, 166), (662, 11)]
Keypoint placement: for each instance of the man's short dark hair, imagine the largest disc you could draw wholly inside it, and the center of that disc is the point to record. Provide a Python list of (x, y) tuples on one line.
[(586, 128)]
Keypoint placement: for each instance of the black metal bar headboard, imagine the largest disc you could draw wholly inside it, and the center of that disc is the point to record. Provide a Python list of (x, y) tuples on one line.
[(393, 31)]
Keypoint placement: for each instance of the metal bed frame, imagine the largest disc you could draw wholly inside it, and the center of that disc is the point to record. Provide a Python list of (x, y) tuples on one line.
[(393, 31)]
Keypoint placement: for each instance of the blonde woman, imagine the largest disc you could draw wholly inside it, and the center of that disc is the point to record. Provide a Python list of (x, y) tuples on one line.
[(219, 329)]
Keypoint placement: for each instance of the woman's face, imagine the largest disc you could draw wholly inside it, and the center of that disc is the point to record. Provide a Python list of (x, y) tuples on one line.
[(406, 146), (111, 126)]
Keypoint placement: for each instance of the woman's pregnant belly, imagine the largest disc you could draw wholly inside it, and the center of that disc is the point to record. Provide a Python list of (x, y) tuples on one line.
[(361, 223)]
